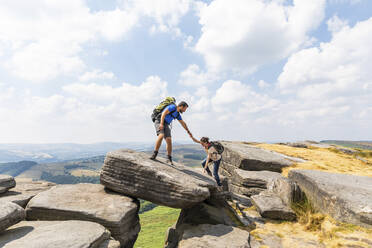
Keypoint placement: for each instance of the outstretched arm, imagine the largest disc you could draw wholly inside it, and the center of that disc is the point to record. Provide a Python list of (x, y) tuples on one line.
[(195, 140), (185, 127)]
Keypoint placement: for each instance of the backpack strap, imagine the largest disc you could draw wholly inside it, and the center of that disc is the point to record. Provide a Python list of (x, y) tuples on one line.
[(171, 113)]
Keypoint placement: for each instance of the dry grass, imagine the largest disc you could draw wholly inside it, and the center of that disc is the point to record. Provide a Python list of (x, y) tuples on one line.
[(325, 159), (314, 228)]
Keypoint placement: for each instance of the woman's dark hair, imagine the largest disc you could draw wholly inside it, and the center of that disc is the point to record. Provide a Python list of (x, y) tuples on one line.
[(183, 104), (204, 140)]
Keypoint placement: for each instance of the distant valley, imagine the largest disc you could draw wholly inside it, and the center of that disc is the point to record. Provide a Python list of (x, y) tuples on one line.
[(87, 169)]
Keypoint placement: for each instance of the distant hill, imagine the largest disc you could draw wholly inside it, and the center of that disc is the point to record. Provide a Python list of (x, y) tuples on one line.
[(16, 168), (46, 153), (367, 145), (87, 169)]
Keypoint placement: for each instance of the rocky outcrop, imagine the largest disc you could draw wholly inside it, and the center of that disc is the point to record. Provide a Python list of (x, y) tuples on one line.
[(217, 236), (89, 202), (251, 171), (57, 234), (248, 157), (10, 214), (345, 197), (24, 190), (212, 212), (6, 183), (271, 206), (134, 174), (286, 189), (250, 183)]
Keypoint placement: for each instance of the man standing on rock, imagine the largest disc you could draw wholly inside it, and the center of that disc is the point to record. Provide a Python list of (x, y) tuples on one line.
[(163, 127)]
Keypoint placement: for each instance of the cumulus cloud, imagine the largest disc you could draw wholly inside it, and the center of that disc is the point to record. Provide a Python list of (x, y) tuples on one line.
[(96, 74), (335, 24), (241, 35), (82, 112), (237, 99), (341, 66), (42, 40), (166, 13), (146, 92), (329, 83), (194, 76), (262, 84)]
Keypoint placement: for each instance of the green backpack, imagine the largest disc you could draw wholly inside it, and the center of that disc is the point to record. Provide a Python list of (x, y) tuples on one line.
[(166, 102)]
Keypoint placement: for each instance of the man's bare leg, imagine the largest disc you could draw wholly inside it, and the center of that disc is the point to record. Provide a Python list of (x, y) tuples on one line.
[(169, 148), (157, 146), (169, 145), (159, 141)]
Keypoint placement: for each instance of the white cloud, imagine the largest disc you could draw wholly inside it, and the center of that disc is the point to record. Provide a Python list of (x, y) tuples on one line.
[(43, 40), (339, 67), (146, 92), (345, 1), (96, 74), (193, 76), (262, 84), (166, 13), (238, 99), (244, 34), (335, 24), (85, 113), (231, 91)]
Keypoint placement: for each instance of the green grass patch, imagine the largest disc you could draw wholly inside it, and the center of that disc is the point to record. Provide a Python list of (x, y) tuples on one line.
[(154, 225)]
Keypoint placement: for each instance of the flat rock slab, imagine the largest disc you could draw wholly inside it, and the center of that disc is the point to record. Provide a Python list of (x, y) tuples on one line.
[(6, 183), (255, 179), (217, 236), (10, 214), (271, 206), (89, 202), (24, 190), (134, 174), (346, 198), (248, 157), (56, 234), (236, 189)]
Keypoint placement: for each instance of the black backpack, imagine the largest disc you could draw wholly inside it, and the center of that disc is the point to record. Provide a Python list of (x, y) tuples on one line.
[(218, 146)]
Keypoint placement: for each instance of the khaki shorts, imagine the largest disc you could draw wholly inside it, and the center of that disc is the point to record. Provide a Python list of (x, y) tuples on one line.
[(166, 130)]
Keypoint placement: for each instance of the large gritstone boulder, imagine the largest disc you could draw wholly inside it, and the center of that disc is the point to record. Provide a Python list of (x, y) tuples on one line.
[(57, 234), (24, 190), (10, 214), (211, 211), (271, 206), (248, 157), (89, 202), (6, 183), (134, 174), (217, 236), (347, 198)]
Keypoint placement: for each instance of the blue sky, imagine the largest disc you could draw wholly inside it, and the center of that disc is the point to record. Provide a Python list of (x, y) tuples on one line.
[(90, 71)]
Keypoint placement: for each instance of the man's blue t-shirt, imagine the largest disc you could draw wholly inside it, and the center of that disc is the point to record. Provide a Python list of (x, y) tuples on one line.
[(171, 116)]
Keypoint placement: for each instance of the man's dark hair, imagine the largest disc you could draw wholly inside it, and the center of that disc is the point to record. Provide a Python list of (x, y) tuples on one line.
[(204, 139), (183, 104)]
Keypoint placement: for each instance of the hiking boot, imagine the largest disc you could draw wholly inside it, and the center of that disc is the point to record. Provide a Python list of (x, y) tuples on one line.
[(153, 157), (169, 160)]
